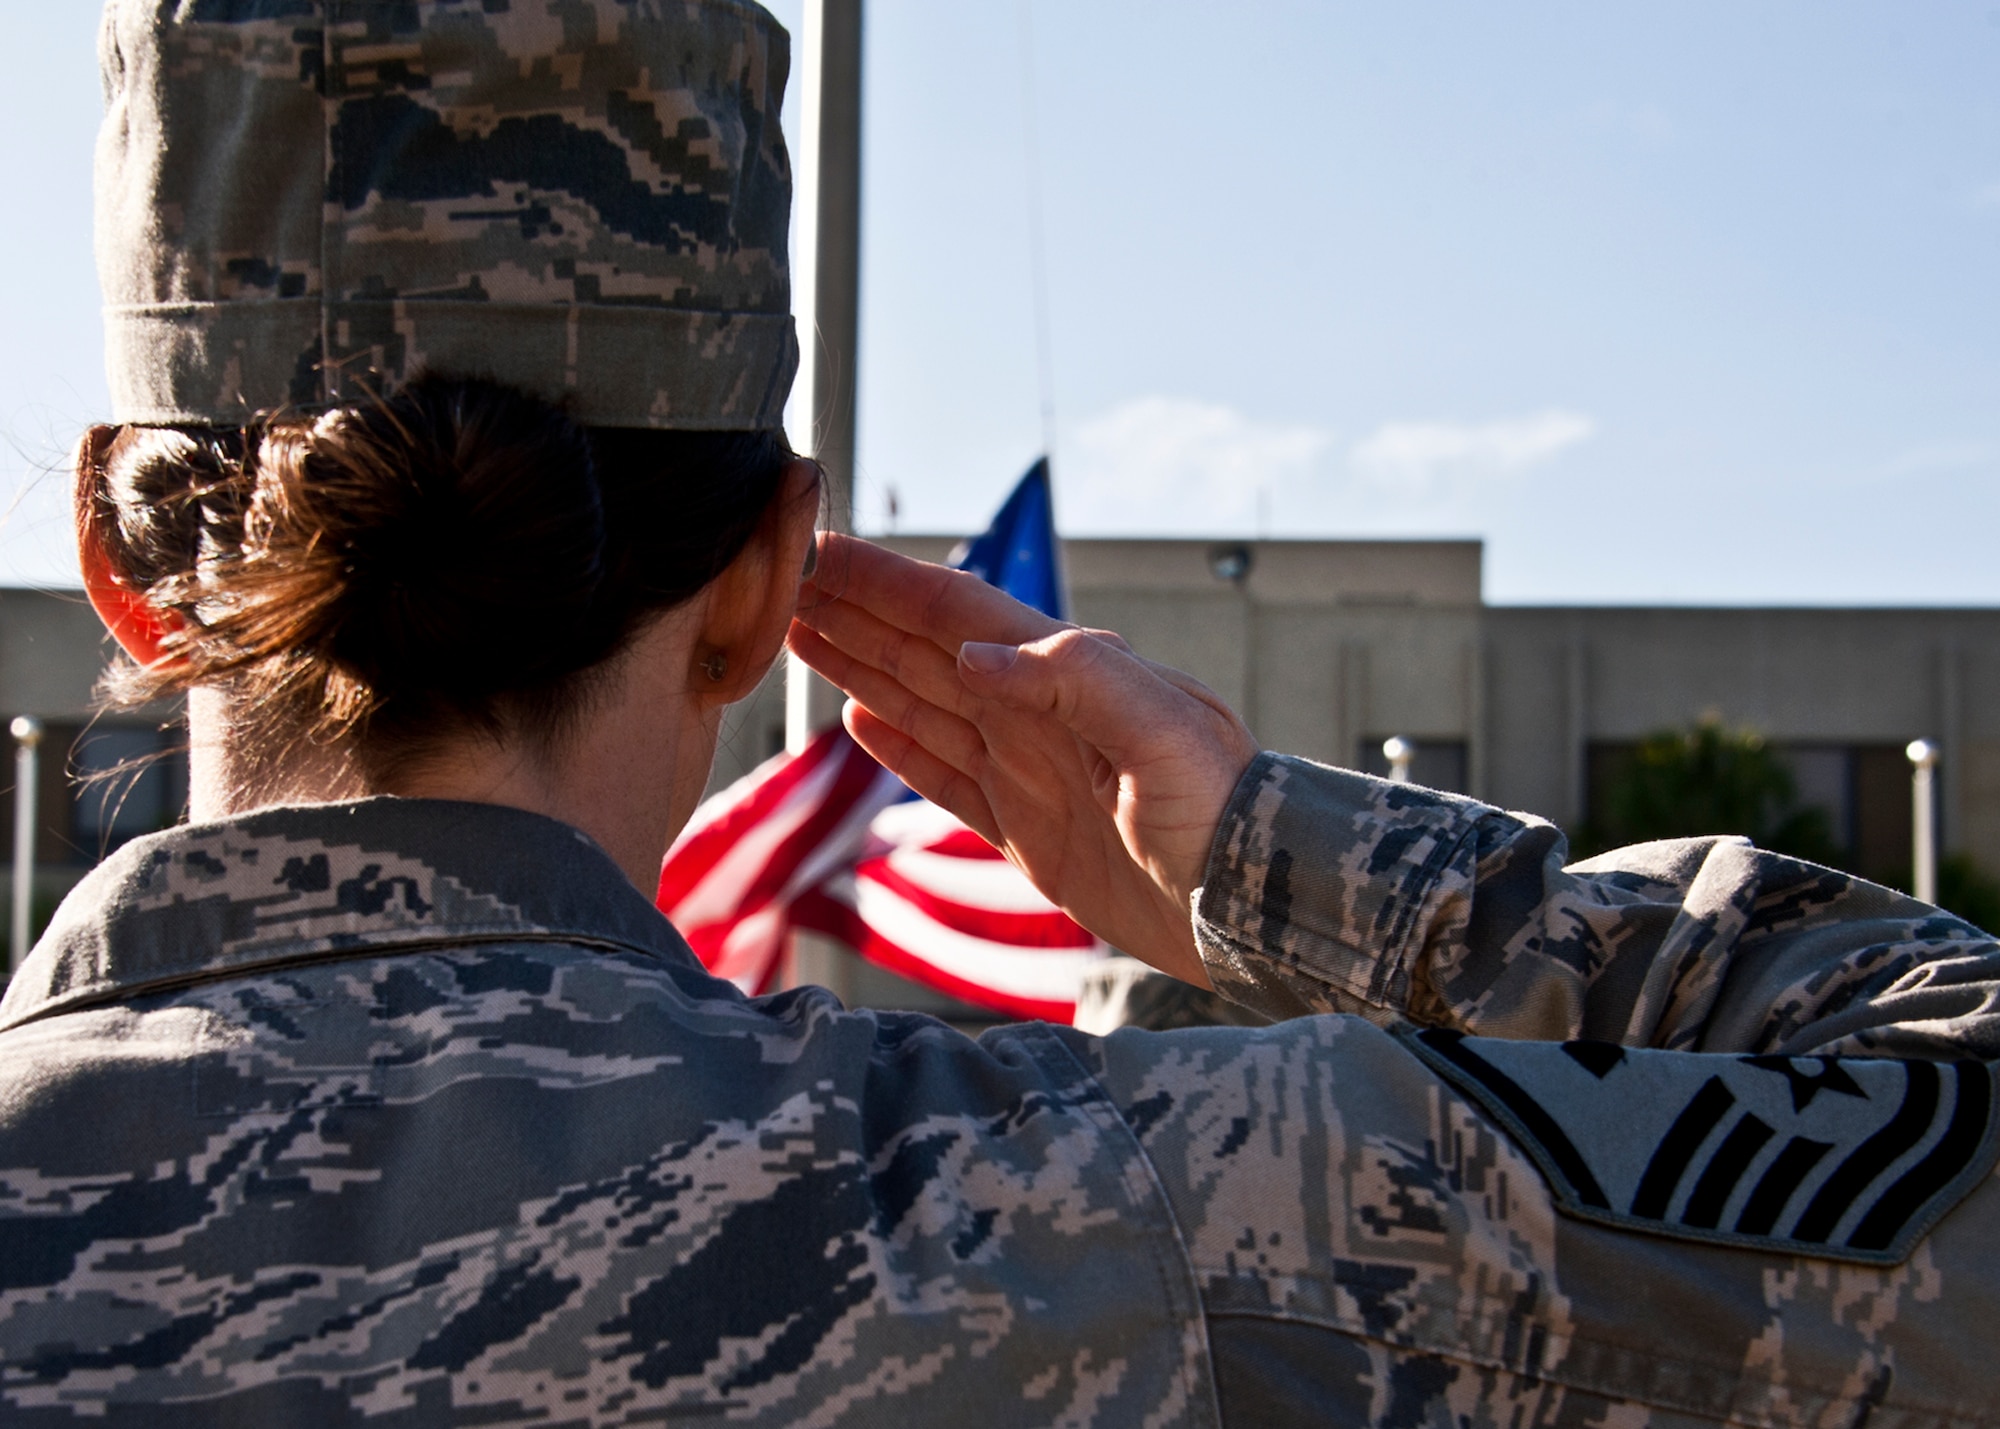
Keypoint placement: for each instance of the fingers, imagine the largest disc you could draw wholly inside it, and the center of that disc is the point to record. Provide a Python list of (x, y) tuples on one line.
[(1099, 691), (1189, 685), (926, 669), (1116, 640), (944, 735), (923, 771), (945, 606)]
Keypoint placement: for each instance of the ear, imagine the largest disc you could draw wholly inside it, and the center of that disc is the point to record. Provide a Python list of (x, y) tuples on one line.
[(750, 605), (133, 623)]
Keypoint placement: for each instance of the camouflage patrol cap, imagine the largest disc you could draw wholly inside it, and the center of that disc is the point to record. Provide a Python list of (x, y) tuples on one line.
[(303, 201)]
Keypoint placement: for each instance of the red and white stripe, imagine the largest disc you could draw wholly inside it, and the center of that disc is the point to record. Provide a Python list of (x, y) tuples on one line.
[(730, 879), (931, 900), (828, 840)]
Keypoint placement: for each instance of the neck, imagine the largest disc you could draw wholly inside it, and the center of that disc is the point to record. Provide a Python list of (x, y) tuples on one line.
[(226, 778), (628, 775)]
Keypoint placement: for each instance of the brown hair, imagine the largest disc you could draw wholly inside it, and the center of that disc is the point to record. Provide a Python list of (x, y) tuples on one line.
[(454, 557)]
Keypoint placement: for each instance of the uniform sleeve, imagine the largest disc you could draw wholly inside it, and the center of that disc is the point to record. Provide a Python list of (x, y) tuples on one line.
[(1329, 891)]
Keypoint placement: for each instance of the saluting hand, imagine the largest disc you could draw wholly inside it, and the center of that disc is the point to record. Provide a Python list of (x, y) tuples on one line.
[(1099, 774)]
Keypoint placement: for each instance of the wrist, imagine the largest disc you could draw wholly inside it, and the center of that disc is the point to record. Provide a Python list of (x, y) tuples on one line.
[(1225, 784), (1171, 948)]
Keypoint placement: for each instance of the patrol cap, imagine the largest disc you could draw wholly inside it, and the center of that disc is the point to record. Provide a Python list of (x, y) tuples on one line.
[(300, 202)]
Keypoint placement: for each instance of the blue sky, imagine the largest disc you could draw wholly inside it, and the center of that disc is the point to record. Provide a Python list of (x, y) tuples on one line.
[(1689, 303)]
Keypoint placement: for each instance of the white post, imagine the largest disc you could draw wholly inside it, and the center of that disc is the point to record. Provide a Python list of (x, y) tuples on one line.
[(1923, 757), (27, 734), (1399, 752)]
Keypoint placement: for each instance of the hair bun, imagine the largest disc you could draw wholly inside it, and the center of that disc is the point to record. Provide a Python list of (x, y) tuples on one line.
[(457, 556), (451, 539), (160, 499)]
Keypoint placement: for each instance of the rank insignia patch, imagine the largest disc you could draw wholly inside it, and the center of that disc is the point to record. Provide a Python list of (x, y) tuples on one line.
[(1846, 1158)]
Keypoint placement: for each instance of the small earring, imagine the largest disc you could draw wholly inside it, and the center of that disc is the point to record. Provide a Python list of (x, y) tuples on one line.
[(716, 666)]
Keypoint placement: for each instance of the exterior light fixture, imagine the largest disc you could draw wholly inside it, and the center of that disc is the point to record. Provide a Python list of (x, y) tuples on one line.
[(1229, 563)]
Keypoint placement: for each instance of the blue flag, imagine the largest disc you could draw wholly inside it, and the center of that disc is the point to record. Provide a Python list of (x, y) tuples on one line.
[(1018, 551)]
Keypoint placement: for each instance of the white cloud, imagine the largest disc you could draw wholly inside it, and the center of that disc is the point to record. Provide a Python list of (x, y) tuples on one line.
[(1166, 466), (1175, 464), (1418, 455), (1934, 457)]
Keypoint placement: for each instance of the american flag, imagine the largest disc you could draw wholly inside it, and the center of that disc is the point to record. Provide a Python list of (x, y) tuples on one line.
[(827, 840), (930, 899), (731, 878)]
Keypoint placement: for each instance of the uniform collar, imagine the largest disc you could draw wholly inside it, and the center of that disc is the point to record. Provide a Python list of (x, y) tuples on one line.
[(327, 881)]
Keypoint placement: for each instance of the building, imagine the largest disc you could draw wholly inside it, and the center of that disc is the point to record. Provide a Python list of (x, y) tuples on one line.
[(104, 778), (1326, 648)]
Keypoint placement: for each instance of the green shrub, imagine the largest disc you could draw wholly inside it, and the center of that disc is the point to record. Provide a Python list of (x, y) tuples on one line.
[(1969, 891), (1714, 780), (1710, 780)]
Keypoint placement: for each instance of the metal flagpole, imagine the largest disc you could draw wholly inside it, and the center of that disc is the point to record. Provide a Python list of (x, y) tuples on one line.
[(1038, 267), (827, 269), (1923, 757), (27, 734)]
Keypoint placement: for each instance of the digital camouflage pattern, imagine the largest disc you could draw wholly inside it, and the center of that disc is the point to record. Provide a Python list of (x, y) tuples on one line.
[(407, 1112), (1119, 991), (415, 1113), (1397, 902), (303, 201)]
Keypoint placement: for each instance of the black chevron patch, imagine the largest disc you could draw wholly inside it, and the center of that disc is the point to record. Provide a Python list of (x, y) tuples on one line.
[(1841, 1158)]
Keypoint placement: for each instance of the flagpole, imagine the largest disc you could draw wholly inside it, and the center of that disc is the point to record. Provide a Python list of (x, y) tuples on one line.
[(1038, 267), (828, 270), (27, 732)]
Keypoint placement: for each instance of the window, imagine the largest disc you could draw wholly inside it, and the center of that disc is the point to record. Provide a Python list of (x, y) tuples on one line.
[(129, 780)]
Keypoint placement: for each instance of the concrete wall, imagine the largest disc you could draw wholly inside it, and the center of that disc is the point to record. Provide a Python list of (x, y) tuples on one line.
[(1560, 678), (52, 649), (1322, 645), (1319, 644)]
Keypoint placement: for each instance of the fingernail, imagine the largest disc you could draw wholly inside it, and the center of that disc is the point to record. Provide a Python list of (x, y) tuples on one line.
[(983, 658)]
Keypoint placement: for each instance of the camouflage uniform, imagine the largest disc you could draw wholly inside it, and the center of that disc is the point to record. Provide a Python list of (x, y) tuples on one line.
[(300, 202), (404, 1112), (407, 1112)]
